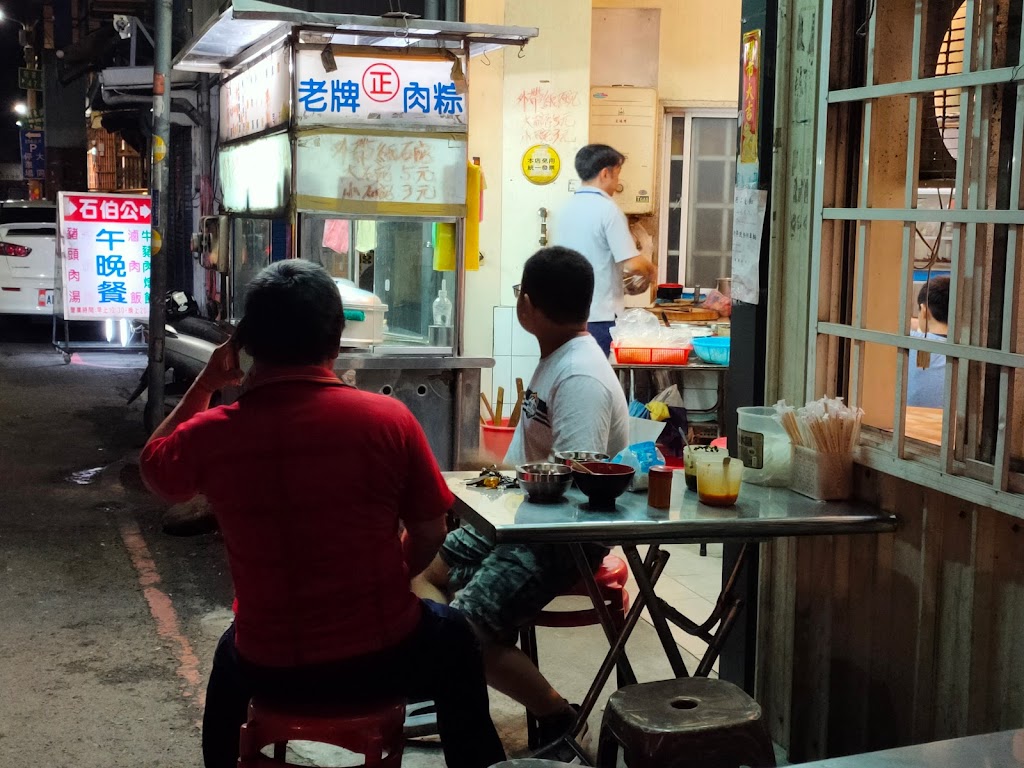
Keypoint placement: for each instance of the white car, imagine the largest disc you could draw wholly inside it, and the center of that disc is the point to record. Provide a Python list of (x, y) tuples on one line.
[(28, 243)]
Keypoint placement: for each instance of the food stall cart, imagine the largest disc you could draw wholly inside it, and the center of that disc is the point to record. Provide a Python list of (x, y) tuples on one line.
[(344, 142)]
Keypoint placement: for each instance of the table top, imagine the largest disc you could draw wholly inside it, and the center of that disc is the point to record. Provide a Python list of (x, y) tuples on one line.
[(924, 424), (991, 750), (505, 515)]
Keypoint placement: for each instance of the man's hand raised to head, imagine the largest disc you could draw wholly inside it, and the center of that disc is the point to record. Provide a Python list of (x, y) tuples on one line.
[(223, 368)]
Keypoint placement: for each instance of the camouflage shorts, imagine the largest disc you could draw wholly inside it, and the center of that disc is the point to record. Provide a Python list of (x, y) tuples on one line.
[(502, 587)]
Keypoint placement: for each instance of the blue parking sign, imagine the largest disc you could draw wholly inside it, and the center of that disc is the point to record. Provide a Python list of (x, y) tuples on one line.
[(33, 155)]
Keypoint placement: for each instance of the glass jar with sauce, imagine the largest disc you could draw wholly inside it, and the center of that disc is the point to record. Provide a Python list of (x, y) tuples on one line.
[(718, 480), (694, 453)]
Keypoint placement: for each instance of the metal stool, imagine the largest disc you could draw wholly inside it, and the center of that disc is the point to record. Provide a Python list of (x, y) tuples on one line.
[(611, 580), (372, 731), (687, 723)]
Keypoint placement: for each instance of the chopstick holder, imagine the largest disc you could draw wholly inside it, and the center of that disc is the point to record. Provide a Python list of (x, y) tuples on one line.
[(821, 476)]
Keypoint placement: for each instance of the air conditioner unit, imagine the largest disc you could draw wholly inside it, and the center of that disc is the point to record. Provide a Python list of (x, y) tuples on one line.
[(625, 118)]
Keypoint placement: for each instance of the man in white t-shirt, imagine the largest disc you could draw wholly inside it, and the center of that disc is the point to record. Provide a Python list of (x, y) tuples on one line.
[(926, 386), (594, 225), (574, 403)]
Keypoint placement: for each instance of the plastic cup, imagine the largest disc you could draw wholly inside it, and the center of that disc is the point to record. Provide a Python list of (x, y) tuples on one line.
[(694, 453), (718, 480)]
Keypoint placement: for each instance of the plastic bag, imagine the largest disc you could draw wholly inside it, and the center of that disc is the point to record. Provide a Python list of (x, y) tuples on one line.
[(641, 457), (719, 302), (670, 397), (635, 323)]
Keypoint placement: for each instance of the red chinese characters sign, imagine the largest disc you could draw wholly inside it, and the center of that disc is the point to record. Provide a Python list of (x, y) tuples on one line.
[(749, 102), (380, 82), (105, 255)]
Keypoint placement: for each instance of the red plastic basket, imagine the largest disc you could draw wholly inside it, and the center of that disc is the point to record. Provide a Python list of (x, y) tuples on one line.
[(652, 355)]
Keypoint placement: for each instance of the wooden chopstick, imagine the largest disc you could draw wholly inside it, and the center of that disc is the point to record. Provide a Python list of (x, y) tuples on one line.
[(487, 406), (498, 405), (517, 411)]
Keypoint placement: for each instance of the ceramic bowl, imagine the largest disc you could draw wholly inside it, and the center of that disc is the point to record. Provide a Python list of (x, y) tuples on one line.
[(608, 482)]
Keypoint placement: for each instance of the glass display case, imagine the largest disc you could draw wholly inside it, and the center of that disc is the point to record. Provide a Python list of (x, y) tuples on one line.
[(392, 267), (255, 243)]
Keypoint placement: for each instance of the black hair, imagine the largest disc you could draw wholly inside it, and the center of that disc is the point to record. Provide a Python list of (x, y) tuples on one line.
[(560, 283), (935, 295), (293, 315), (594, 158)]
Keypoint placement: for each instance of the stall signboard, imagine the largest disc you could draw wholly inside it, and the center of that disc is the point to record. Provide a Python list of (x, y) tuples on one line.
[(33, 155), (381, 173), (377, 91), (256, 99), (103, 253)]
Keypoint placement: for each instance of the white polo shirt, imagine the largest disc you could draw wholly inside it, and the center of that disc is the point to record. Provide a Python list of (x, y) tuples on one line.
[(591, 223)]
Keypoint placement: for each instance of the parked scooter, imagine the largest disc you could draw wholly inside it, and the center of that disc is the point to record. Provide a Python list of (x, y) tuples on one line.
[(189, 341)]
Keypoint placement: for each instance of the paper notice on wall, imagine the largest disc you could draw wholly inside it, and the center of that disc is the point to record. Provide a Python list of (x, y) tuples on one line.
[(747, 227)]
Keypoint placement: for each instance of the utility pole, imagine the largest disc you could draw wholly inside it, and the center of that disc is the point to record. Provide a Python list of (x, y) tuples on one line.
[(35, 187), (26, 38), (159, 175)]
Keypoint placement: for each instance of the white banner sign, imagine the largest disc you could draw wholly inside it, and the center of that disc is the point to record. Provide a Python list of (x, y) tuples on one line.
[(257, 99), (103, 247), (377, 90), (418, 170), (256, 175), (747, 227)]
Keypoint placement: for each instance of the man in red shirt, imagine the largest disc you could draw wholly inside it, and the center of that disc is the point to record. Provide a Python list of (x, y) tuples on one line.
[(310, 480)]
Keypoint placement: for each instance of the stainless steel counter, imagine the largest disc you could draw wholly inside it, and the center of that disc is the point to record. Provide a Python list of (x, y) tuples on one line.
[(441, 392), (368, 361), (991, 750)]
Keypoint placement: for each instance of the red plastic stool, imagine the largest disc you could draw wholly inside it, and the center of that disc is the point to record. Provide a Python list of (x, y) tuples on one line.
[(611, 579), (373, 731)]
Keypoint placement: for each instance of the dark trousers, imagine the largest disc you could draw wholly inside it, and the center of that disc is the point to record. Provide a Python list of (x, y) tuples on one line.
[(440, 660), (602, 333)]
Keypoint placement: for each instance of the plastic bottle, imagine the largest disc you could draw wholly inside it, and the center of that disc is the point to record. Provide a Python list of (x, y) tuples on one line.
[(442, 307)]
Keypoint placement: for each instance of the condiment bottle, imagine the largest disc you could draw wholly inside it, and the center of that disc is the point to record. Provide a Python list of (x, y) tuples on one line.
[(659, 487)]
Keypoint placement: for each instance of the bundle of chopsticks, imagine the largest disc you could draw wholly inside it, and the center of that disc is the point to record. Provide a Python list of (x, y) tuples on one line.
[(827, 425)]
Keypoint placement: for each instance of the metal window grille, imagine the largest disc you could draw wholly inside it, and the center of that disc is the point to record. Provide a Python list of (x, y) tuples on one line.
[(950, 72)]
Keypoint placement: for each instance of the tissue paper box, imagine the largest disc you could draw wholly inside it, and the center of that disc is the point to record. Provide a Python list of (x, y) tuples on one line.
[(821, 476)]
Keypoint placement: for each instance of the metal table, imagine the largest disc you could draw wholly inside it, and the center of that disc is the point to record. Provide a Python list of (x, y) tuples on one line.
[(1004, 749), (506, 516)]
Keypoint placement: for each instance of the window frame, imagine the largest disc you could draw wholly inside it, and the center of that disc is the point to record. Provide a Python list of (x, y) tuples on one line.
[(950, 467), (688, 114)]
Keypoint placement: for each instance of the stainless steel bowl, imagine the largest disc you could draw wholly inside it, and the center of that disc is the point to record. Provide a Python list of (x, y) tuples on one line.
[(564, 457), (544, 482)]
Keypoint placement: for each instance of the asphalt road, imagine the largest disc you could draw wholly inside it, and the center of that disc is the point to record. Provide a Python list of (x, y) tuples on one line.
[(108, 624)]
